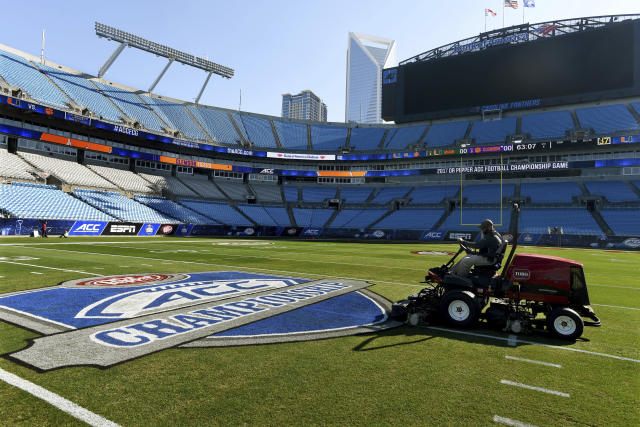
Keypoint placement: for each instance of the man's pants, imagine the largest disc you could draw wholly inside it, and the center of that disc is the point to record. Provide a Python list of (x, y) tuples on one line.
[(463, 267)]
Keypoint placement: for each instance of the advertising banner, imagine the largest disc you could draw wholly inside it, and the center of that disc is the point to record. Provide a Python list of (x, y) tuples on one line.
[(122, 229), (183, 230), (148, 229), (433, 235), (311, 232), (87, 228), (167, 229), (466, 235)]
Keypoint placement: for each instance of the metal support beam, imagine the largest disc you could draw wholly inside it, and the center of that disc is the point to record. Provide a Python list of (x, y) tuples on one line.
[(111, 60), (203, 86), (164, 70)]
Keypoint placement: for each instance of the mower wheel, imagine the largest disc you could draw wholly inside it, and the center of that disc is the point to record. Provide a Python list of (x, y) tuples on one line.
[(459, 308), (565, 323)]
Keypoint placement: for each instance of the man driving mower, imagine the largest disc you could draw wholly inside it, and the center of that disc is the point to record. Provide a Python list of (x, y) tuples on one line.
[(486, 250)]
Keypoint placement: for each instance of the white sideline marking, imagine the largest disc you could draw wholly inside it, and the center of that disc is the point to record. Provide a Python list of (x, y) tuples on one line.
[(617, 306), (512, 340), (537, 362), (593, 353), (613, 286), (35, 272), (530, 387), (56, 400), (51, 268), (510, 422)]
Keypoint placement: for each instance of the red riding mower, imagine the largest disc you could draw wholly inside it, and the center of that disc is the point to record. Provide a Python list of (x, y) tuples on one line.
[(531, 293)]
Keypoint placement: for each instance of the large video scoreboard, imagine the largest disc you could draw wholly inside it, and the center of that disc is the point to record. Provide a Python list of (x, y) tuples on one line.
[(582, 66)]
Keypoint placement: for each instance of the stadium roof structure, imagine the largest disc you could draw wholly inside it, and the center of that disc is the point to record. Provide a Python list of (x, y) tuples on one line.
[(518, 34), (130, 40)]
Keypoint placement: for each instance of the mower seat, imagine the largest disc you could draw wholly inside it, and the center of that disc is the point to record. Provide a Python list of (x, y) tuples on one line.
[(491, 269)]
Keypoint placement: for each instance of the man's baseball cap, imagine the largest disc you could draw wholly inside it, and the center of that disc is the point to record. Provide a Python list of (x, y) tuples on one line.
[(486, 223)]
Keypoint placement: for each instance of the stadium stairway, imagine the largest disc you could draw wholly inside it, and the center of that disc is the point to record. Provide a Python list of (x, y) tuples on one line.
[(442, 219), (292, 217), (372, 225), (195, 120), (602, 223), (633, 188)]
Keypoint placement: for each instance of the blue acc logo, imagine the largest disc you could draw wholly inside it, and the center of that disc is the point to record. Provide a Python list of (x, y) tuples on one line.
[(108, 320), (87, 228), (433, 235)]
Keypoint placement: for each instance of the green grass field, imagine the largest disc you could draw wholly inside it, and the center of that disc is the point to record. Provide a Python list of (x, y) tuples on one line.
[(402, 376)]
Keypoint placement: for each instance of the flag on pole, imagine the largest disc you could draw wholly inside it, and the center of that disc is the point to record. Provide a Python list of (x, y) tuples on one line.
[(511, 3), (489, 12), (529, 3)]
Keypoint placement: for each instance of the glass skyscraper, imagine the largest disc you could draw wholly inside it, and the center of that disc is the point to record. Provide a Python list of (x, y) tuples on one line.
[(304, 106), (366, 57)]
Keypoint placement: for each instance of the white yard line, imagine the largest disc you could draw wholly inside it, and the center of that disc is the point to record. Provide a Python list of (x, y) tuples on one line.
[(530, 387), (577, 350), (235, 267), (613, 286), (510, 422), (617, 306), (35, 272), (51, 268), (56, 400), (536, 362)]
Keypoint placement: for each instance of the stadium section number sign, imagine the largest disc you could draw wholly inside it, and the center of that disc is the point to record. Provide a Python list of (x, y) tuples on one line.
[(108, 320)]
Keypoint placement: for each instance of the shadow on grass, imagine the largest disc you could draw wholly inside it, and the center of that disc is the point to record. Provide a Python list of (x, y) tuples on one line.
[(478, 335), (402, 331)]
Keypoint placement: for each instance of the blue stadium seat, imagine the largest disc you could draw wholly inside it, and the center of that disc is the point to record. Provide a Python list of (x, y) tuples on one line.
[(357, 218), (362, 139), (121, 207), (623, 221), (411, 219), (318, 194), (259, 131), (312, 217), (494, 131), (355, 194), (486, 193), (399, 138), (217, 123), (607, 118), (571, 220), (387, 194), (328, 138), (290, 193), (84, 93), (292, 136), (549, 124), (173, 209), (45, 202), (469, 218), (270, 216), (552, 192), (18, 72), (132, 106), (433, 194), (176, 116), (238, 121), (221, 212), (443, 134), (613, 191)]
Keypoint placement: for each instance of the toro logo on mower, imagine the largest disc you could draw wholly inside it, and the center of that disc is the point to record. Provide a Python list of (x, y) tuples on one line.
[(521, 274), (134, 279)]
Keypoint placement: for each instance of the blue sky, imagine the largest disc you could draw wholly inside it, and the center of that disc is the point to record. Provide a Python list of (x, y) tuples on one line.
[(275, 47)]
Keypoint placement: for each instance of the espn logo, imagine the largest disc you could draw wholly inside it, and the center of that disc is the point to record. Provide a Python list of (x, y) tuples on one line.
[(117, 228)]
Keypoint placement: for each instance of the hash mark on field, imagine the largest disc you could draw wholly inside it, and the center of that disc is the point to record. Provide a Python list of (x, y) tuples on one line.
[(537, 362), (510, 422), (56, 400), (530, 387), (35, 272)]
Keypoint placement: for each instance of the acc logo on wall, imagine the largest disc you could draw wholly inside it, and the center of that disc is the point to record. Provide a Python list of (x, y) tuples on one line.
[(108, 320)]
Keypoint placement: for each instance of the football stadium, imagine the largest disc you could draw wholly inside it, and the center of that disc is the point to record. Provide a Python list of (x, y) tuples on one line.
[(164, 261)]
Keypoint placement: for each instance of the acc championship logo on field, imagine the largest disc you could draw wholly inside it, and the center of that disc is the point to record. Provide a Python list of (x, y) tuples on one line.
[(104, 321)]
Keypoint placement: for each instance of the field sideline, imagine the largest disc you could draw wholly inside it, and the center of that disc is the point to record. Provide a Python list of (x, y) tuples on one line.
[(400, 376)]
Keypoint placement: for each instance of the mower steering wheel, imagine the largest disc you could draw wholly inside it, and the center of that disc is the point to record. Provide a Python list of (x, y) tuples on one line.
[(464, 246)]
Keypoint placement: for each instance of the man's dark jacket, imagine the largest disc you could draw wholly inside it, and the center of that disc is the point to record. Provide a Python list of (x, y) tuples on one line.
[(488, 245)]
